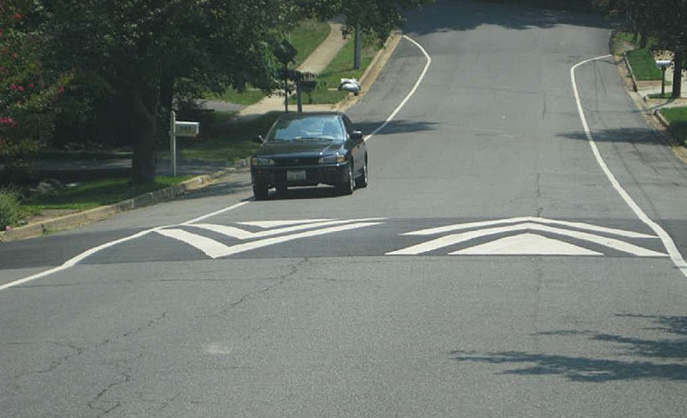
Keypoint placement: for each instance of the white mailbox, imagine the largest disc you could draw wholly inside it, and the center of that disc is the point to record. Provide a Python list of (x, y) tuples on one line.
[(663, 63), (186, 129)]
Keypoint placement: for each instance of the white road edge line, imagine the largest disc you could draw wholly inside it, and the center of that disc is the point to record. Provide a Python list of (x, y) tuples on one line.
[(412, 91), (667, 241), (73, 261)]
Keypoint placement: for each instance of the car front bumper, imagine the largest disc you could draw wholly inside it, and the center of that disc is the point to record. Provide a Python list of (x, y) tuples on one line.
[(322, 174)]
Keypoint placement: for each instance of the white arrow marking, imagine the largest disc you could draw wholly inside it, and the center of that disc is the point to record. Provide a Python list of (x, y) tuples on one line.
[(241, 234), (467, 236), (274, 224), (579, 225), (209, 246), (527, 244)]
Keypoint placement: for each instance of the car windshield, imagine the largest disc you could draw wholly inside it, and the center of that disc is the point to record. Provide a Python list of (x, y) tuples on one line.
[(307, 128)]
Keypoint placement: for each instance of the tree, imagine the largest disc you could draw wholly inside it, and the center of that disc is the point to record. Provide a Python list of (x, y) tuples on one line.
[(28, 90), (140, 48), (374, 17), (665, 21)]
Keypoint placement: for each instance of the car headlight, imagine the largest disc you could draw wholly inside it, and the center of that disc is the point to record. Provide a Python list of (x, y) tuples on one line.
[(332, 159), (261, 161)]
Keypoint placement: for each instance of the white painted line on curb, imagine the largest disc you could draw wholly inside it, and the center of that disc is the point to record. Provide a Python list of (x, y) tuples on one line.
[(73, 261), (667, 241), (412, 91)]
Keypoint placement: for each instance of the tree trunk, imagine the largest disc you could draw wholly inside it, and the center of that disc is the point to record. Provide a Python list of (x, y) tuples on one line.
[(144, 117), (166, 103), (677, 75)]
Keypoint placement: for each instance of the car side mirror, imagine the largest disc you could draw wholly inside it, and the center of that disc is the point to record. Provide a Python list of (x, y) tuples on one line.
[(258, 139), (357, 136)]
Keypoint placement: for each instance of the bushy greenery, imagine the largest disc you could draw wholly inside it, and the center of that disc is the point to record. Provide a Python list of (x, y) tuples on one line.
[(28, 91), (10, 208)]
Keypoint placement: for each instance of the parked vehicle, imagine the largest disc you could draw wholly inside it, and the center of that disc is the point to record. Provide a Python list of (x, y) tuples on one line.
[(307, 149)]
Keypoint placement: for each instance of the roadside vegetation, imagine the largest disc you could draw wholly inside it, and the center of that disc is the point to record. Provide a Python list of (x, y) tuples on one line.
[(340, 67), (644, 65), (677, 118), (11, 211), (91, 194), (226, 139), (305, 37)]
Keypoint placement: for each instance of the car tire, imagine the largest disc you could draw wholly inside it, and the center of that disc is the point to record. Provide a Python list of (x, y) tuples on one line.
[(282, 190), (361, 181), (260, 191), (349, 184)]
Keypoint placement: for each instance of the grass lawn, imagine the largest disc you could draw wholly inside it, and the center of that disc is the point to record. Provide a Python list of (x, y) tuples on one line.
[(91, 194), (227, 140), (340, 67), (305, 37), (677, 117), (643, 65)]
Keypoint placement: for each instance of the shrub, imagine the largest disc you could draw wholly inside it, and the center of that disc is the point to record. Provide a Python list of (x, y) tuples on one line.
[(10, 208)]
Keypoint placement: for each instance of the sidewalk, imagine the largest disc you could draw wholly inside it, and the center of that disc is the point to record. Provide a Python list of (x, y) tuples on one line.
[(647, 88), (315, 63)]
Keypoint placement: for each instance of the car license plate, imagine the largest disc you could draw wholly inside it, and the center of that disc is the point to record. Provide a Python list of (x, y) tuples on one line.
[(295, 175)]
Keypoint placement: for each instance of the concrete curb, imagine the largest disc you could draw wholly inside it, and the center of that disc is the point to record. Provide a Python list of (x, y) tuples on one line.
[(103, 212), (632, 74), (372, 71)]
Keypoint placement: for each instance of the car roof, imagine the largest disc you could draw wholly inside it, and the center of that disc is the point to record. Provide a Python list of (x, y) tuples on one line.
[(307, 114)]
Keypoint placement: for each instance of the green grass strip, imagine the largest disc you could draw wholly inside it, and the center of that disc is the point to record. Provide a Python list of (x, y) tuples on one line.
[(91, 194), (643, 65), (340, 67), (677, 117)]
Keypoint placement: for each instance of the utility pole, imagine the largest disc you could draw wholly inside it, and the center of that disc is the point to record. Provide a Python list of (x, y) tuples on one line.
[(356, 52)]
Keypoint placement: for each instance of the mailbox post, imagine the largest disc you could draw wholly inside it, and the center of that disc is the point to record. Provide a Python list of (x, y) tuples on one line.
[(663, 65), (187, 129)]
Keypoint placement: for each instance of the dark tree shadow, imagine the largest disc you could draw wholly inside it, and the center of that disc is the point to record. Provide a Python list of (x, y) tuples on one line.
[(461, 15), (395, 127), (664, 359), (620, 135)]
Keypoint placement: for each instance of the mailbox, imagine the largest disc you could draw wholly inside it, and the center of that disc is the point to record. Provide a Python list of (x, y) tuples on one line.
[(186, 129), (663, 63)]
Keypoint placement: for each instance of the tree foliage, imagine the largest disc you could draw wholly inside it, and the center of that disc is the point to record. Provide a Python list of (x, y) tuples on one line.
[(664, 21), (28, 90)]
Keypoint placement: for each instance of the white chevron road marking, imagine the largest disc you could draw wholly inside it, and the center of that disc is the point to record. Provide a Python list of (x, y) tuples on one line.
[(241, 234), (274, 224), (216, 249), (209, 246), (578, 225), (527, 244), (454, 239)]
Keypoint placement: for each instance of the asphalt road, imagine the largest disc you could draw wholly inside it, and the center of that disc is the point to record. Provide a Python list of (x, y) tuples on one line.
[(489, 269)]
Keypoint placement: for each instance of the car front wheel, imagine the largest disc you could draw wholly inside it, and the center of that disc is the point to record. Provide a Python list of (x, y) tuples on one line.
[(347, 186), (361, 181), (260, 191)]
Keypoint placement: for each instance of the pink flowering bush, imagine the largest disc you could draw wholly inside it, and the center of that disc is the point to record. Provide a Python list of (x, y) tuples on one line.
[(27, 97)]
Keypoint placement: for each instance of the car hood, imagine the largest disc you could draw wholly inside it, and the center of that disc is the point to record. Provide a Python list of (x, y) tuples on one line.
[(312, 148)]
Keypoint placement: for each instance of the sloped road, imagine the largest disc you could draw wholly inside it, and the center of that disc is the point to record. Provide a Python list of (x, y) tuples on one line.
[(489, 269)]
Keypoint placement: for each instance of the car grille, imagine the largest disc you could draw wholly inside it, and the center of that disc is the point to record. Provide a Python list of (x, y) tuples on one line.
[(292, 162)]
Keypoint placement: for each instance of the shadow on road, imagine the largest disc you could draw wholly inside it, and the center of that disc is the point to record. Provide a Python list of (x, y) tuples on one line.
[(620, 135), (461, 15), (664, 358), (395, 127)]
